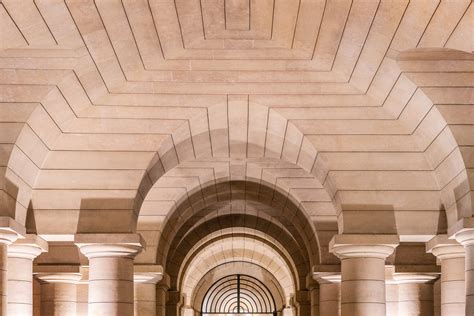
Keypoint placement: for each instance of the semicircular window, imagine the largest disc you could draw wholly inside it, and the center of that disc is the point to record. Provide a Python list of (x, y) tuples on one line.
[(238, 295)]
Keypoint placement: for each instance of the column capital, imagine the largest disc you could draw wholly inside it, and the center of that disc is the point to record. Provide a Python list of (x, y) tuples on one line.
[(444, 248), (147, 277), (57, 273), (10, 230), (164, 283), (420, 278), (175, 297), (463, 231), (59, 277), (109, 245), (327, 277), (302, 297), (311, 283), (28, 248), (151, 274), (358, 245)]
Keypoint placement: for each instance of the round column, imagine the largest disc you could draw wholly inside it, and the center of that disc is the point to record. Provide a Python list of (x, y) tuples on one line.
[(303, 302), (58, 293), (174, 303), (466, 238), (111, 258), (363, 272), (82, 289), (187, 311), (329, 294), (145, 293), (391, 298), (20, 274), (7, 237), (162, 295), (415, 294), (450, 255), (313, 287)]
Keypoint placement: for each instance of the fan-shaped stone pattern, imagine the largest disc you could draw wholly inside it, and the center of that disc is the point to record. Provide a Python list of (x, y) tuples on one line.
[(93, 95)]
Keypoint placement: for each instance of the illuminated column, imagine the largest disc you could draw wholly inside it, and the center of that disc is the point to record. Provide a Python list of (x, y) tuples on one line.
[(415, 294), (10, 230), (329, 293), (162, 295), (20, 273), (313, 288), (111, 258), (145, 292), (58, 293), (465, 236), (450, 255), (363, 272)]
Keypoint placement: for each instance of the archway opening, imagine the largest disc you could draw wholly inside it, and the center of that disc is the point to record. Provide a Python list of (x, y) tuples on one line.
[(238, 294)]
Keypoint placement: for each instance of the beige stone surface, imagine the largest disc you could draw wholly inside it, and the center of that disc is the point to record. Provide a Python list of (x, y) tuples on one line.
[(256, 130)]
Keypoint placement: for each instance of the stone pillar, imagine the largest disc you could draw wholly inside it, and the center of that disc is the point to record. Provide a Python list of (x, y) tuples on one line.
[(36, 297), (110, 271), (145, 293), (303, 303), (188, 311), (363, 272), (465, 237), (437, 297), (415, 294), (329, 293), (174, 303), (450, 255), (20, 273), (10, 230), (288, 311), (58, 293), (313, 287), (391, 298), (82, 296), (162, 295), (391, 292)]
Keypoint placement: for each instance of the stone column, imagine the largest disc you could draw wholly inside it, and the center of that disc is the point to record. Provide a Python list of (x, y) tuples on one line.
[(313, 287), (465, 236), (391, 298), (391, 291), (20, 273), (188, 311), (36, 297), (162, 295), (110, 271), (145, 293), (174, 303), (82, 290), (415, 294), (10, 230), (303, 303), (363, 272), (58, 293), (450, 255), (329, 293)]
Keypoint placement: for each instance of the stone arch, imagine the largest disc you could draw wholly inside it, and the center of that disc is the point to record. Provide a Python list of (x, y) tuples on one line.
[(218, 135), (282, 209), (448, 150), (169, 212), (298, 265), (246, 268)]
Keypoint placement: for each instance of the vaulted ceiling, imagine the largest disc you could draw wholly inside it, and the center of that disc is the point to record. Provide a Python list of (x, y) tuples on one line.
[(116, 114)]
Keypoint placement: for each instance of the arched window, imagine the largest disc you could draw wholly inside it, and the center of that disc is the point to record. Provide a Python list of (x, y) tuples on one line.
[(238, 295)]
